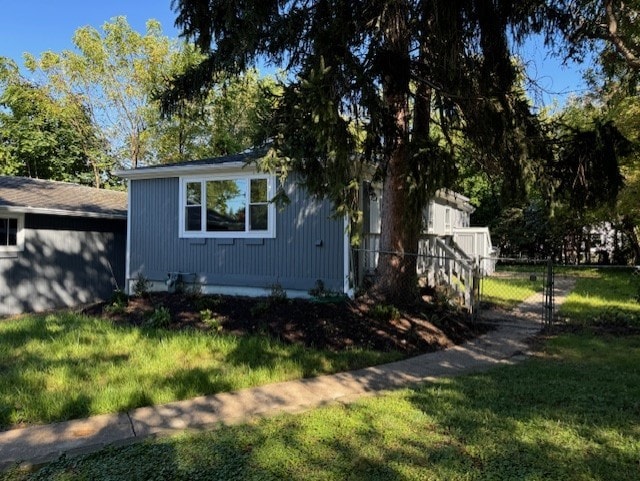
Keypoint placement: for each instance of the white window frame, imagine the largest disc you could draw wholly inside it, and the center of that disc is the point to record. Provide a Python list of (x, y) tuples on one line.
[(270, 233), (447, 220), (19, 247)]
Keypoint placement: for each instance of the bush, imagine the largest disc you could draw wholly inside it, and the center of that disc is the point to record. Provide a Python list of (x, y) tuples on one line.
[(118, 303), (385, 313), (260, 309), (210, 320), (141, 286), (160, 317), (278, 294)]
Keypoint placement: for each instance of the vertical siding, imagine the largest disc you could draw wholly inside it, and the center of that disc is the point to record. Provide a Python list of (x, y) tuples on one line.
[(66, 261), (291, 259)]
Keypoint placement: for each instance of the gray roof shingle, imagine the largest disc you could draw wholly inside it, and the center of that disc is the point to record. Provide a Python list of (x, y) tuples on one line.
[(35, 195)]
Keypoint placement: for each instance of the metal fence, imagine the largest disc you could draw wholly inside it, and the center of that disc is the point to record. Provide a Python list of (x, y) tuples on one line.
[(488, 288), (522, 287)]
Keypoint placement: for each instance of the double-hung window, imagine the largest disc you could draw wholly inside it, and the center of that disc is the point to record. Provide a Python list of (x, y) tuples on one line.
[(11, 239), (233, 206)]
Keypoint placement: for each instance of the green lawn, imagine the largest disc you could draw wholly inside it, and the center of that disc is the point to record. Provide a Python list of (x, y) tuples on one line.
[(603, 295), (509, 291), (571, 413), (63, 366)]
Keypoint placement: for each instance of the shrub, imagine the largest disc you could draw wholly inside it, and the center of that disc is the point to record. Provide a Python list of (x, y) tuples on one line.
[(141, 286), (118, 303), (160, 317), (278, 294), (211, 321), (385, 312), (207, 302), (260, 309)]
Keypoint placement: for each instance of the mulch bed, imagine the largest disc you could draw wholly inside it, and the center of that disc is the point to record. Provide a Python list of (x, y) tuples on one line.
[(324, 324)]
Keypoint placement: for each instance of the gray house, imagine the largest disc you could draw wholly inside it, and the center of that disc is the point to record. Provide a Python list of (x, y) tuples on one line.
[(61, 244), (209, 222)]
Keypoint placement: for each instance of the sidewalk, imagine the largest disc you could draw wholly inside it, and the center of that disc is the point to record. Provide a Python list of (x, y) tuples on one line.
[(505, 345)]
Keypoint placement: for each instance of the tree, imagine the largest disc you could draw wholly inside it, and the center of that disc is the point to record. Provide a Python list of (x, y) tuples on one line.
[(366, 82), (41, 136), (229, 118), (114, 74)]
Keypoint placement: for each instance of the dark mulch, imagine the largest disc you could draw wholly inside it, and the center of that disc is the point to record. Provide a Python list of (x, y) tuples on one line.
[(324, 324)]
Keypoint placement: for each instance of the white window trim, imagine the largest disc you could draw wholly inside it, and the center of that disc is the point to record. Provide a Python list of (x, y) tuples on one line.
[(19, 247), (270, 233), (447, 220)]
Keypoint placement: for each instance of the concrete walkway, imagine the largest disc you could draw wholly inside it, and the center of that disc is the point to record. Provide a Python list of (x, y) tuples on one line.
[(505, 345)]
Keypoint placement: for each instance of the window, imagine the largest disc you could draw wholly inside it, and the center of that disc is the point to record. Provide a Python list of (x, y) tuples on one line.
[(227, 207), (430, 216), (11, 233), (447, 220)]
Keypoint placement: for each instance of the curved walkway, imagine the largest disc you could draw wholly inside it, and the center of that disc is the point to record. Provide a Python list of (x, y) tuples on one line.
[(505, 345)]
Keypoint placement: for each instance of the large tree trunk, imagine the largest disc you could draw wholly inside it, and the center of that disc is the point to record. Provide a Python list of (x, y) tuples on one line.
[(400, 220)]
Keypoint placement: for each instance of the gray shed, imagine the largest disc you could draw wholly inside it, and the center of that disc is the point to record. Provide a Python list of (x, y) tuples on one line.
[(61, 244), (211, 223)]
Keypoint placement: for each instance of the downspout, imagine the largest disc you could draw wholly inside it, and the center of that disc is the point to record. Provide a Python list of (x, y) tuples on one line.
[(127, 267)]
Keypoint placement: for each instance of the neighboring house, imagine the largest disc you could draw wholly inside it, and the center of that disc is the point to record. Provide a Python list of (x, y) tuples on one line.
[(209, 222), (449, 250), (61, 244)]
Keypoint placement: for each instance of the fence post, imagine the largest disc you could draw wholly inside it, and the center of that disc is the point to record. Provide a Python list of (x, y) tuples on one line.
[(475, 290), (548, 294)]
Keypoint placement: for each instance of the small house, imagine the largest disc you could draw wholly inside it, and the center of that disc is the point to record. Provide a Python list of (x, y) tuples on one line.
[(211, 223), (61, 244)]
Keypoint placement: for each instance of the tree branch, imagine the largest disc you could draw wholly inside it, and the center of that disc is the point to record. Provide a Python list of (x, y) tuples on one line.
[(618, 42)]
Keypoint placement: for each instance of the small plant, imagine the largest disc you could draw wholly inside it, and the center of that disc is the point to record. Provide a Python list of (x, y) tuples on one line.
[(260, 309), (141, 286), (160, 317), (207, 302), (278, 295), (192, 291), (320, 293), (385, 313), (118, 303), (318, 290), (210, 320)]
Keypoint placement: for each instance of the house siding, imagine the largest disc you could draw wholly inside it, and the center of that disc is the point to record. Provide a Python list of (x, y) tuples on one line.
[(308, 244), (66, 261)]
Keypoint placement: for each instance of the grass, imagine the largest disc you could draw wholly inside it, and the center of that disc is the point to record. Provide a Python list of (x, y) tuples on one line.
[(63, 366), (604, 295), (509, 291), (570, 413)]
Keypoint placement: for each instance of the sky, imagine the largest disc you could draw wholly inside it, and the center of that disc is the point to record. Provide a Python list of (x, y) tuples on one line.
[(36, 26)]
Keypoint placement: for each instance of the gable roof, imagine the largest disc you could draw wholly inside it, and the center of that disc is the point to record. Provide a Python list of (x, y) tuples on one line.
[(37, 196)]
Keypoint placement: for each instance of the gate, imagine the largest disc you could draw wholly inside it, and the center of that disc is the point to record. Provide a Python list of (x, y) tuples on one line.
[(510, 289)]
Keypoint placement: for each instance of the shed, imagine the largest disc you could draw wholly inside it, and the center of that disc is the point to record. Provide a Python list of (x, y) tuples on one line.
[(61, 244)]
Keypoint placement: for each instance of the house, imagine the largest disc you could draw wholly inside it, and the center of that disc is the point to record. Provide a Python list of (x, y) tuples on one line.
[(211, 223), (449, 249), (61, 244)]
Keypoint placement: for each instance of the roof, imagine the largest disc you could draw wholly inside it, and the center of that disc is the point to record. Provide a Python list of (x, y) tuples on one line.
[(24, 194), (191, 167), (456, 199)]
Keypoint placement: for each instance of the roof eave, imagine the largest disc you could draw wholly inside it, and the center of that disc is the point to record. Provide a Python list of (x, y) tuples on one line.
[(179, 170), (62, 212)]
